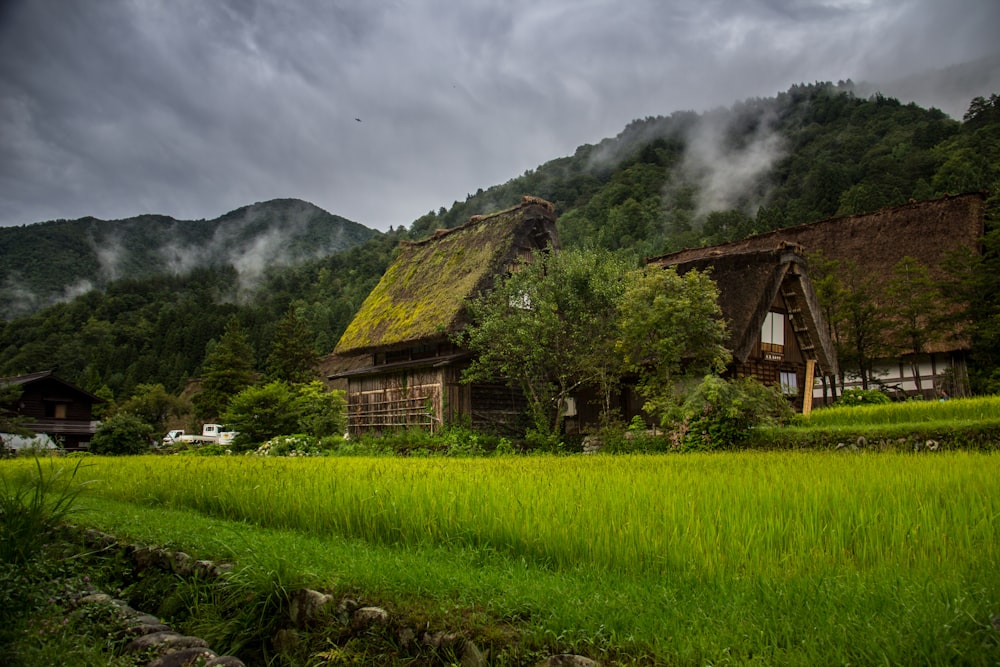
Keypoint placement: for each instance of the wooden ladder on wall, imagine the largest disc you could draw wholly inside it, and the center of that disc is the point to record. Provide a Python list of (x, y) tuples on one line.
[(794, 302)]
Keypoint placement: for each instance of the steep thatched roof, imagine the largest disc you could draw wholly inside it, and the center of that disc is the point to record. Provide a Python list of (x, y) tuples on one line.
[(926, 231), (422, 295), (749, 283)]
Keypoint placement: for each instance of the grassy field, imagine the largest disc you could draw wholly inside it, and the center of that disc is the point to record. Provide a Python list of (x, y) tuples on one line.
[(966, 410), (736, 558)]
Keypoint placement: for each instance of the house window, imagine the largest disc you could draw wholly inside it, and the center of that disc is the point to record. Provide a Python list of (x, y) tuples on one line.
[(56, 410), (789, 383), (772, 336)]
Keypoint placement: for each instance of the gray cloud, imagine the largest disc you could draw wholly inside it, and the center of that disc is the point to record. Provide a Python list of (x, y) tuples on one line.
[(192, 109)]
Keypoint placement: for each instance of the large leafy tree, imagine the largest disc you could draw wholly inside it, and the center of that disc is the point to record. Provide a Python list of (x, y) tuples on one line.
[(227, 370), (262, 412), (548, 328), (863, 325), (585, 318), (671, 328), (154, 405), (122, 434)]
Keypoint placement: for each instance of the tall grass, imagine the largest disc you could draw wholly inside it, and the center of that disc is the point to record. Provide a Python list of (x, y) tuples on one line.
[(970, 410), (745, 558), (31, 506), (722, 515)]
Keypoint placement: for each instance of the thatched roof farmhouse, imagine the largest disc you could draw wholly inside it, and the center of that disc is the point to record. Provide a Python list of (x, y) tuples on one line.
[(404, 327), (760, 291), (927, 231)]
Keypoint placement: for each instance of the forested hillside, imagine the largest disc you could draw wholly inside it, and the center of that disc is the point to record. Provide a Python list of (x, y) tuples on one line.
[(813, 152), (45, 263), (663, 183)]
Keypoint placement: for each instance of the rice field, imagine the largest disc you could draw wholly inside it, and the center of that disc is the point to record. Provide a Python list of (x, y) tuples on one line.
[(983, 409), (753, 557)]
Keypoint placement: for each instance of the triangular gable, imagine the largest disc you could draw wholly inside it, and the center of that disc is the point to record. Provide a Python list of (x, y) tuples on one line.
[(422, 295), (750, 283)]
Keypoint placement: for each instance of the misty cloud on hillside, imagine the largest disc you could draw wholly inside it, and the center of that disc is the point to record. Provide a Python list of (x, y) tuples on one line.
[(251, 239), (729, 177)]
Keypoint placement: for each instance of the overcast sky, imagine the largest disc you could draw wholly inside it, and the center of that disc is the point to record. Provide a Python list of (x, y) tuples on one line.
[(383, 111)]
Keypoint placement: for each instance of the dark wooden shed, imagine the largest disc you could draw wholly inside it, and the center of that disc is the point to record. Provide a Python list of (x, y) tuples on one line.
[(56, 408)]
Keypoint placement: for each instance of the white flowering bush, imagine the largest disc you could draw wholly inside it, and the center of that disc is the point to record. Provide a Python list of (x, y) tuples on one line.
[(290, 445)]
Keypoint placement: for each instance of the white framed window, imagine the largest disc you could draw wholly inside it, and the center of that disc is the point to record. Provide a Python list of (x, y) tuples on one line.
[(772, 336), (789, 383)]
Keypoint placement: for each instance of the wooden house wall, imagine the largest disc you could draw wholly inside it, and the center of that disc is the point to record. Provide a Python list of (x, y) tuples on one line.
[(59, 411), (428, 398), (394, 401), (496, 408), (39, 399)]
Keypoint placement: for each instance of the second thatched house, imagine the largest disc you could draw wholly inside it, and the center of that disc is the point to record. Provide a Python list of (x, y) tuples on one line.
[(776, 330), (410, 373), (870, 246)]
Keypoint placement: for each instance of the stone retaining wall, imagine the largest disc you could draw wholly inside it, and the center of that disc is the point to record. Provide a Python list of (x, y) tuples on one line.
[(305, 609)]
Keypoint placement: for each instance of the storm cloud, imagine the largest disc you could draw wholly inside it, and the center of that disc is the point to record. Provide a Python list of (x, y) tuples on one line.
[(382, 111)]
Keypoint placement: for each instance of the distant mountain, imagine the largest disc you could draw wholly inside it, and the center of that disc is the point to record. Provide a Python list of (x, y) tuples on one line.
[(49, 262)]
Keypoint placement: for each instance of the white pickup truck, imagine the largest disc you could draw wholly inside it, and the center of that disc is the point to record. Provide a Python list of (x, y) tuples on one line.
[(210, 434)]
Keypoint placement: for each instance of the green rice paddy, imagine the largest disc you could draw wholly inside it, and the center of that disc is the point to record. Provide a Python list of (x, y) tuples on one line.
[(735, 558)]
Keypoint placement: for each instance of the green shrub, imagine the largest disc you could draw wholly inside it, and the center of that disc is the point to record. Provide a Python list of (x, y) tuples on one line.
[(124, 433), (263, 412), (855, 397), (721, 413)]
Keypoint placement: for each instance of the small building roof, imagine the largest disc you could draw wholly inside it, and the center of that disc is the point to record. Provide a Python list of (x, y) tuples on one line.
[(32, 378), (422, 295)]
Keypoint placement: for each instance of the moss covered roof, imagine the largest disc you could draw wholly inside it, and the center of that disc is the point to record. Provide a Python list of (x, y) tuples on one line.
[(421, 297)]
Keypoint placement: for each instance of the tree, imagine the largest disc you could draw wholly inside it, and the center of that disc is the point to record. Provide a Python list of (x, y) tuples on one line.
[(548, 328), (321, 412), (262, 412), (227, 370), (11, 421), (831, 295), (671, 328), (913, 298), (293, 357), (123, 433), (152, 404), (862, 324)]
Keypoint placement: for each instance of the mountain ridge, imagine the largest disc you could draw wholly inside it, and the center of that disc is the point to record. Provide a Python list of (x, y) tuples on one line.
[(52, 261)]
